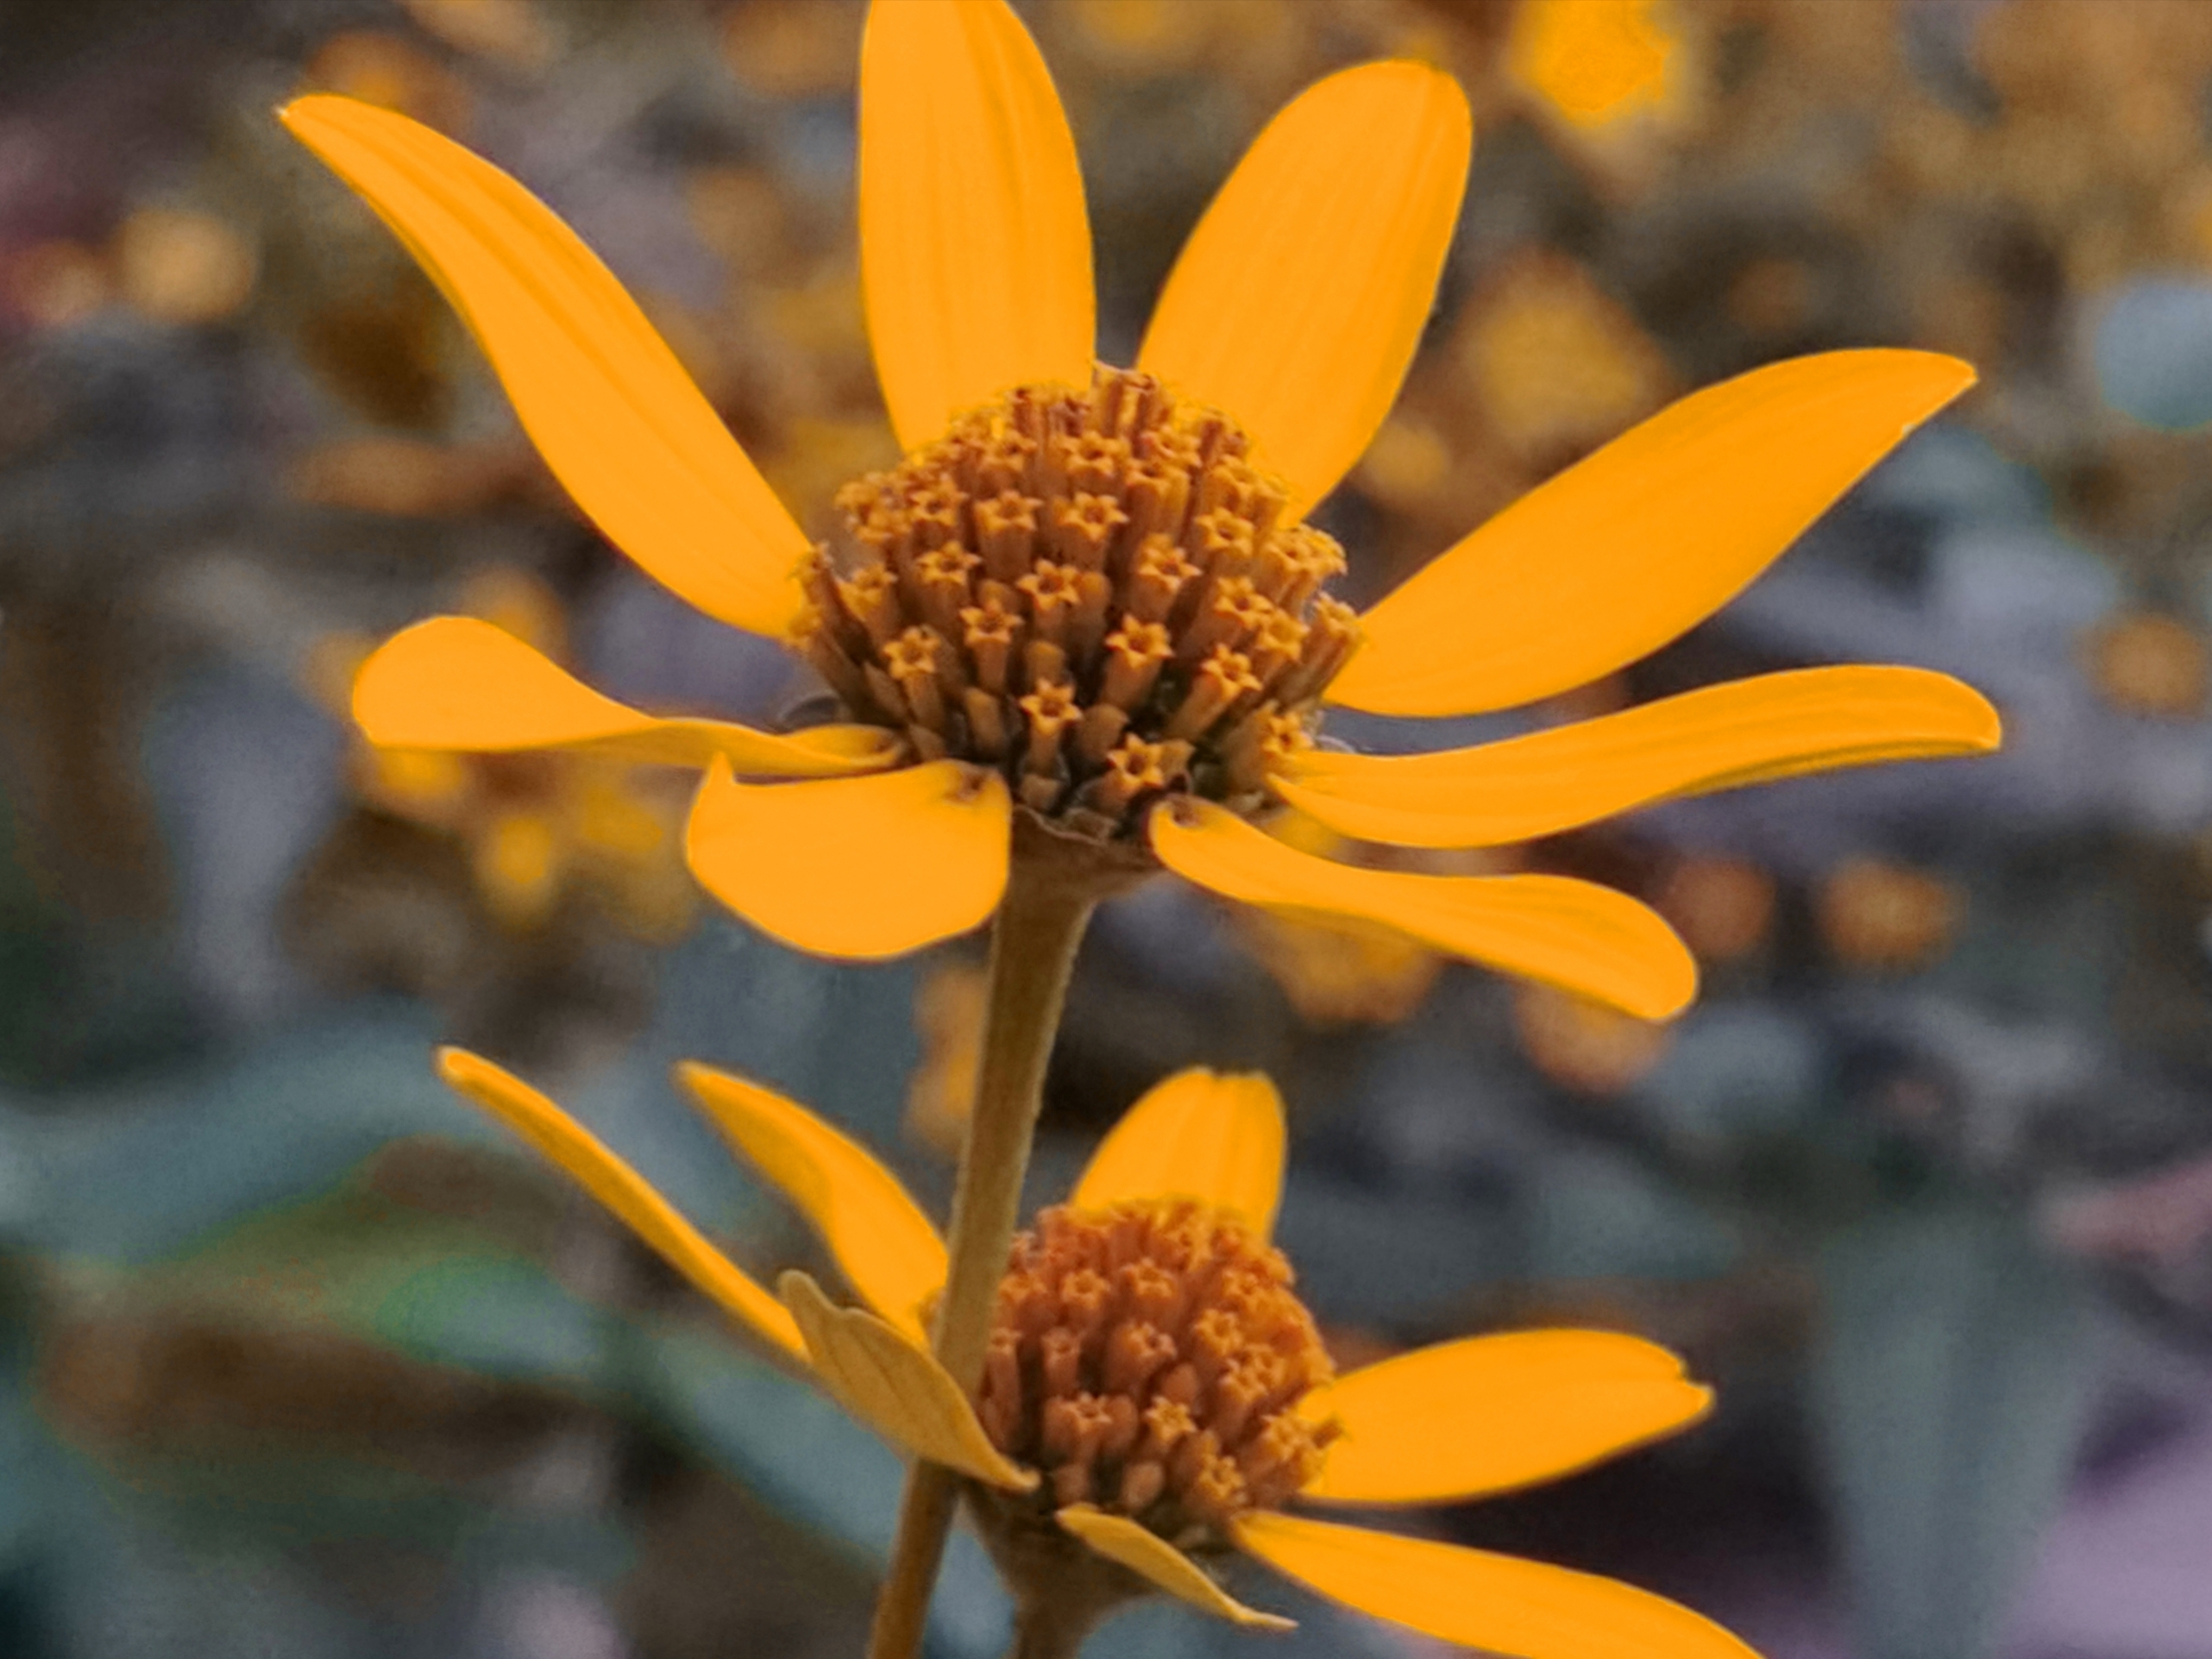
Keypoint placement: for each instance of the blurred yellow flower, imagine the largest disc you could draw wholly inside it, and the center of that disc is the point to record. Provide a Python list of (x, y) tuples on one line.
[(949, 1008), (1086, 609), (536, 825), (1590, 1048), (1886, 918), (1154, 1393), (1594, 61)]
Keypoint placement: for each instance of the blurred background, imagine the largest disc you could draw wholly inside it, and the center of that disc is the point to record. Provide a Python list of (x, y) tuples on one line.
[(299, 1357)]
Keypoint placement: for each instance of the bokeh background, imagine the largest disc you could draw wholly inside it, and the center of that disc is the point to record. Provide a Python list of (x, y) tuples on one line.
[(299, 1357)]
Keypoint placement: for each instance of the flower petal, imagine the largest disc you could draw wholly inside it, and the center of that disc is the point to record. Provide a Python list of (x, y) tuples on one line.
[(1298, 300), (1198, 1136), (1491, 1413), (622, 1190), (1498, 1603), (1152, 1558), (598, 391), (881, 1239), (456, 682), (975, 246), (1566, 933), (1629, 547), (858, 867), (895, 1387), (1746, 732)]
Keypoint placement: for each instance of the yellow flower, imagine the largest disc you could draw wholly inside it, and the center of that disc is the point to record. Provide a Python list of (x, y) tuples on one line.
[(1154, 1391), (1085, 610), (1595, 60)]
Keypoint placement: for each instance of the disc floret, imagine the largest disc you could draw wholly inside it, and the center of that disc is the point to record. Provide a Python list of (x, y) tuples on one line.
[(1149, 1360), (1093, 593)]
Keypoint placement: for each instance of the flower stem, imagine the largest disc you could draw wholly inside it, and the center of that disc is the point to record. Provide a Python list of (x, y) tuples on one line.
[(1049, 1627), (1040, 922)]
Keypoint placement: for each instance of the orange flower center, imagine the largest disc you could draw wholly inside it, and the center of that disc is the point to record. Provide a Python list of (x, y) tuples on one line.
[(1149, 1359), (1090, 592)]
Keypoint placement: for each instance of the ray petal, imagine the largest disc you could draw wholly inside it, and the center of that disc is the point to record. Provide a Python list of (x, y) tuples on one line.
[(1500, 1603), (1153, 1559), (1198, 1136), (1297, 302), (456, 682), (1627, 548), (1571, 933), (1491, 1413), (974, 245), (622, 1190), (862, 868), (882, 1241), (1772, 725), (600, 393)]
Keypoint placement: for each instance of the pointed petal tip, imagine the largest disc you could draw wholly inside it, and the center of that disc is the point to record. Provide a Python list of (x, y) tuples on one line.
[(1668, 998), (1152, 1558), (1987, 731), (886, 1246), (1298, 300), (1558, 930), (1407, 1425), (605, 401), (1667, 522)]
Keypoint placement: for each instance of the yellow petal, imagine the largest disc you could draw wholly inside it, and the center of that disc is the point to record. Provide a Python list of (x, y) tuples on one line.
[(858, 867), (1498, 1603), (1746, 732), (878, 1235), (1195, 1135), (975, 246), (1627, 548), (622, 1190), (454, 682), (1152, 1558), (1491, 1413), (1566, 933), (1298, 300), (894, 1386), (598, 391)]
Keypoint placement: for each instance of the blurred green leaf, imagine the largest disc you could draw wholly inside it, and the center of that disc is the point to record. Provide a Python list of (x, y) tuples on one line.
[(1948, 1388)]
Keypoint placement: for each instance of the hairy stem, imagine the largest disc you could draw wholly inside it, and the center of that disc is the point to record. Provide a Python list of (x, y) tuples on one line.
[(1050, 1627), (1040, 923)]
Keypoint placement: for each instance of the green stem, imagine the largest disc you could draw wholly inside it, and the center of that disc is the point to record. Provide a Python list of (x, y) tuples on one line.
[(1040, 922)]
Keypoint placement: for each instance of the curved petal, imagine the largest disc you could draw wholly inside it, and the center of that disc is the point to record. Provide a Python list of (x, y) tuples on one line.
[(1297, 304), (1151, 1558), (456, 682), (598, 391), (1749, 731), (858, 867), (1491, 1413), (1629, 547), (1498, 1603), (885, 1245), (622, 1190), (1198, 1136), (895, 1386), (975, 246), (1566, 932)]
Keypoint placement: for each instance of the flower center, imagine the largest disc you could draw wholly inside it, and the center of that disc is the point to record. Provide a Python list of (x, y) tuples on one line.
[(1090, 592), (1149, 1359)]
